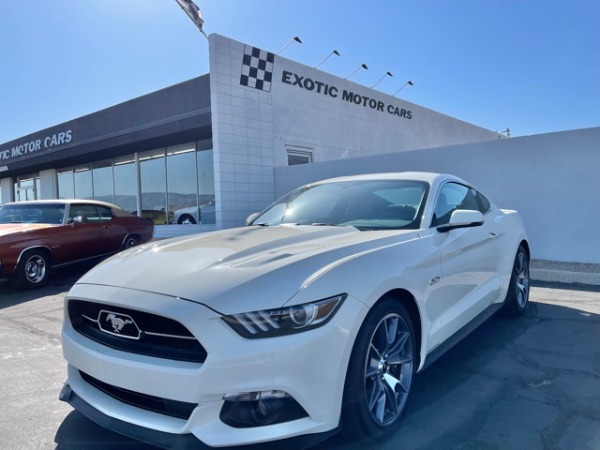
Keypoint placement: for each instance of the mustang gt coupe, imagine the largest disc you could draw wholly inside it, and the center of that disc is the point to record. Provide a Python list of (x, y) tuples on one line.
[(39, 235), (312, 319)]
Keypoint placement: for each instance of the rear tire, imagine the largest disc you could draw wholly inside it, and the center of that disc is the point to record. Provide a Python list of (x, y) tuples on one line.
[(517, 297), (380, 372), (130, 241), (32, 271), (186, 219)]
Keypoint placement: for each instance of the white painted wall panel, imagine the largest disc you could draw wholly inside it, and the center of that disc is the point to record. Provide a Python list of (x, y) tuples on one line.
[(552, 179)]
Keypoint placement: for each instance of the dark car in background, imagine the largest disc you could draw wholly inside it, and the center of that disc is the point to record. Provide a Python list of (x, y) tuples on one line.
[(36, 236)]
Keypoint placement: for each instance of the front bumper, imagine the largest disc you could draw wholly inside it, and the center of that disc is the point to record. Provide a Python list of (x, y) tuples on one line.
[(176, 441), (310, 367)]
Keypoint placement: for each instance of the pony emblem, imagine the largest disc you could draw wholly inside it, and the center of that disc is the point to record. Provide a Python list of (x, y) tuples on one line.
[(117, 322)]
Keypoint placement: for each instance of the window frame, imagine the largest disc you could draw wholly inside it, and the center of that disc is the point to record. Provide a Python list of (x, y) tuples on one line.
[(484, 206)]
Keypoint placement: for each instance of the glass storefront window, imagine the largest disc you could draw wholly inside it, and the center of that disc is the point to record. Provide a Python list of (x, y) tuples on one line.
[(154, 186), (27, 187), (66, 185), (173, 185), (102, 175), (82, 178), (206, 186), (125, 179), (182, 190)]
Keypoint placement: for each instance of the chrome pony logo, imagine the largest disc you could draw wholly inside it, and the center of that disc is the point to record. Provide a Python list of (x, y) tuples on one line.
[(118, 324)]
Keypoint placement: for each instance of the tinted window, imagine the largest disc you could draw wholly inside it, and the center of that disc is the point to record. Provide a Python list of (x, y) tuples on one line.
[(364, 204), (454, 196), (484, 203), (105, 213), (84, 213), (32, 213)]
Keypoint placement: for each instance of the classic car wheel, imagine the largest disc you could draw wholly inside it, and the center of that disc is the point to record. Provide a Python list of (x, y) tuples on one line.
[(517, 297), (380, 372), (187, 220), (131, 241), (32, 271)]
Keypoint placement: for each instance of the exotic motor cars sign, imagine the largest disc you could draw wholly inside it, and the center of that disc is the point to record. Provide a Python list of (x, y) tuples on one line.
[(21, 149), (329, 90)]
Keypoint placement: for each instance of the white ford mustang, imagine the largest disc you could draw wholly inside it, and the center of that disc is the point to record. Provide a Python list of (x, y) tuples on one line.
[(312, 319)]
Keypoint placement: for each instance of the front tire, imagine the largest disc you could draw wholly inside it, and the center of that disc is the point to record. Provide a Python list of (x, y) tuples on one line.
[(380, 372), (32, 271), (517, 297)]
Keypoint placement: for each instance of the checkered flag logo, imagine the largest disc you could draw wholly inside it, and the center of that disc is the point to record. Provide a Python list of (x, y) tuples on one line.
[(257, 68)]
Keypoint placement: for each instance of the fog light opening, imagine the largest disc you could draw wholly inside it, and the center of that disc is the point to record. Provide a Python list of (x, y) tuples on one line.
[(257, 409)]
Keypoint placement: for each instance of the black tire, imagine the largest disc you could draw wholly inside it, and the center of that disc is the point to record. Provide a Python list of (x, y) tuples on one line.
[(131, 241), (380, 372), (186, 219), (32, 270), (517, 297)]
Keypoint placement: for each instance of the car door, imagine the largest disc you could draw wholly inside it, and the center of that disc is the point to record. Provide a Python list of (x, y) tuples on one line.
[(115, 231), (86, 232), (469, 255)]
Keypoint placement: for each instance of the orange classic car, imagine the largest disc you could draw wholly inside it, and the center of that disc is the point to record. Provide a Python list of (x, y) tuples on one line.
[(36, 236)]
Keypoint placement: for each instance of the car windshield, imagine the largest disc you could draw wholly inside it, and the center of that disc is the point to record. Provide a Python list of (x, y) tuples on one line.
[(364, 204), (36, 213)]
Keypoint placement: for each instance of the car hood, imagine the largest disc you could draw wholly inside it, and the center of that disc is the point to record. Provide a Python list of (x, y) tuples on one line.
[(239, 269), (14, 228)]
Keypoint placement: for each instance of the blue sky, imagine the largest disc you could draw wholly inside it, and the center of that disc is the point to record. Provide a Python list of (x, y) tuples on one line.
[(529, 65)]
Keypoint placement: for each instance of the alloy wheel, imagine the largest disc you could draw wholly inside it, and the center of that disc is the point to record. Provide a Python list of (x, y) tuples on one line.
[(522, 272), (389, 369)]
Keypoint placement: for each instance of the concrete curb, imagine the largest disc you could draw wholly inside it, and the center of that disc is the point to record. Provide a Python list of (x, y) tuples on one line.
[(561, 272)]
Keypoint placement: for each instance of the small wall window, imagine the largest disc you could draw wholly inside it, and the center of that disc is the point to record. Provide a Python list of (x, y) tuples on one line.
[(298, 157)]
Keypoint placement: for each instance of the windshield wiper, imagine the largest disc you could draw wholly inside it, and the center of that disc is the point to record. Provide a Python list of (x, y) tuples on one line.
[(324, 224)]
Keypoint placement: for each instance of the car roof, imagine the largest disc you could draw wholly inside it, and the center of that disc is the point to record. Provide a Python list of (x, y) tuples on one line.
[(63, 202), (427, 177)]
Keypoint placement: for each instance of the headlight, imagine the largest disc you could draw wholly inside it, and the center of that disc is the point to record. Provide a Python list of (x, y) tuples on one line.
[(282, 321)]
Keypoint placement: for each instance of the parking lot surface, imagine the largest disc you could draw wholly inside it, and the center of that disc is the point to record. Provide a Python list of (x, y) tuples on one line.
[(530, 383)]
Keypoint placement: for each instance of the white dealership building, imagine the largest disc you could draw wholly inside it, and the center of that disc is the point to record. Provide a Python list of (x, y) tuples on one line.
[(218, 147)]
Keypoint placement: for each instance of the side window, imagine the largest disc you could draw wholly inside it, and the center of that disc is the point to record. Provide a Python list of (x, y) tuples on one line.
[(483, 202), (105, 214), (86, 213), (453, 196)]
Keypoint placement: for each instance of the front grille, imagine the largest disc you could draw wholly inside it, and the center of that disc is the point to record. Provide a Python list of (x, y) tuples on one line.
[(135, 331), (173, 408)]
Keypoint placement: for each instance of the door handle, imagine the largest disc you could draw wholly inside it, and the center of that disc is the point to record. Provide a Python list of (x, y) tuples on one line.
[(493, 235)]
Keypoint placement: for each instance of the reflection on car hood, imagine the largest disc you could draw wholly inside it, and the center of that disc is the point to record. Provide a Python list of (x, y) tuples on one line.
[(226, 270), (13, 228)]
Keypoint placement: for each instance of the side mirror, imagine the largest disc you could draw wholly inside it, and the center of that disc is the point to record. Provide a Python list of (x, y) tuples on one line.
[(462, 218), (76, 219), (251, 218)]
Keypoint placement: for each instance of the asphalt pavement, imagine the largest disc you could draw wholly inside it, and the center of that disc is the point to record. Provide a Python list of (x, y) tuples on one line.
[(530, 383)]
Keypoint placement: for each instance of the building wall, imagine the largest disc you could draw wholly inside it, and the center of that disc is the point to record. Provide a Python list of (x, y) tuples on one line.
[(551, 179), (173, 115), (304, 109), (6, 190), (242, 126)]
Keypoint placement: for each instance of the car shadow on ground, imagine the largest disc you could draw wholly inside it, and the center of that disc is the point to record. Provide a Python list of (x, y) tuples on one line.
[(78, 432), (59, 281), (450, 372), (509, 384)]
